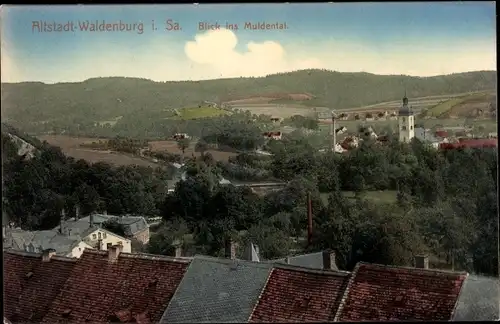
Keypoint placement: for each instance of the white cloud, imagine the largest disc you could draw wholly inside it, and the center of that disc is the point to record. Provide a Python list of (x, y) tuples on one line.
[(216, 50)]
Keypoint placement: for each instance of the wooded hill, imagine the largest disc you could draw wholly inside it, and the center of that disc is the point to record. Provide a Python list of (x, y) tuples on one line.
[(107, 98)]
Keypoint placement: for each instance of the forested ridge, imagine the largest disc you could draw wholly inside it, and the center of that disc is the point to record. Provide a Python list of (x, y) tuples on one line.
[(445, 204), (108, 98)]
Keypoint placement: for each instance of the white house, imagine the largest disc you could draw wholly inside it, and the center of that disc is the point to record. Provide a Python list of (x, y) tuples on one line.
[(91, 233), (135, 226)]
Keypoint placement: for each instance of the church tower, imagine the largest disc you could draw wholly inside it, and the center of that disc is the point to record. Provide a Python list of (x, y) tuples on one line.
[(406, 122)]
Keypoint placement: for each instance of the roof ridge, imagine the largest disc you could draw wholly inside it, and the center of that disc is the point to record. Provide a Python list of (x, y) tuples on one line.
[(23, 253), (230, 261), (158, 257), (345, 295), (260, 294), (63, 258), (458, 297), (94, 251), (389, 266), (311, 270), (38, 255)]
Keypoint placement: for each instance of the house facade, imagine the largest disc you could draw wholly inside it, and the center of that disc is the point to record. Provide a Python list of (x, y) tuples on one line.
[(101, 239)]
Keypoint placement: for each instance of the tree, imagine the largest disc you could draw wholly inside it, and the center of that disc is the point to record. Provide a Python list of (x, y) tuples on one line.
[(201, 146), (183, 144)]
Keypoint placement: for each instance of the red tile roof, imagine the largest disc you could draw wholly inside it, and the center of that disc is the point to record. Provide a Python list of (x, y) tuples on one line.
[(441, 133), (31, 284), (384, 293), (300, 295), (470, 143), (135, 288)]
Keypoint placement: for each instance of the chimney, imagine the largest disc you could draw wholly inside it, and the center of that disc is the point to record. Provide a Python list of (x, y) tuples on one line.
[(309, 220), (91, 220), (230, 250), (178, 248), (77, 212), (329, 260), (287, 260), (114, 252), (422, 261), (47, 254), (99, 244)]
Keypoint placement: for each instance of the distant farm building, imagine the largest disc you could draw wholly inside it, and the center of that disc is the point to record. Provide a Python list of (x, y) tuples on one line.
[(272, 135), (341, 130), (179, 136), (343, 116), (276, 119), (441, 133), (350, 143)]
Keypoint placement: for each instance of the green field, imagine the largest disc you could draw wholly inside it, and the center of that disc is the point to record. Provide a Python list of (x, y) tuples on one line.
[(386, 196), (199, 112), (443, 107)]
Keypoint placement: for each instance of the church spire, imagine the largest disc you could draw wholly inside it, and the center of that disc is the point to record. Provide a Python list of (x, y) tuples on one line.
[(405, 99)]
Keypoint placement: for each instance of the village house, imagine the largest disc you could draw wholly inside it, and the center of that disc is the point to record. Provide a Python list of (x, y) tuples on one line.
[(135, 227), (272, 135)]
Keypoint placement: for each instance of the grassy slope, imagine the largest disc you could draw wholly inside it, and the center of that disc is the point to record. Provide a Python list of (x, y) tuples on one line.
[(202, 112), (106, 98), (442, 108)]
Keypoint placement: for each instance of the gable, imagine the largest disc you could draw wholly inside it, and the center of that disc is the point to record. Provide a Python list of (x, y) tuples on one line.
[(94, 235), (134, 286), (217, 290), (299, 295), (387, 293)]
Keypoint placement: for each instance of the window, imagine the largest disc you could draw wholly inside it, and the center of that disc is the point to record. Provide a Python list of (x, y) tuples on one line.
[(109, 245), (99, 234), (94, 236), (403, 127), (104, 235), (411, 127), (404, 139), (404, 119)]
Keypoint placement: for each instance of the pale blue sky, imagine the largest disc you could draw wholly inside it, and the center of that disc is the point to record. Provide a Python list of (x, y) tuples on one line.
[(385, 38)]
